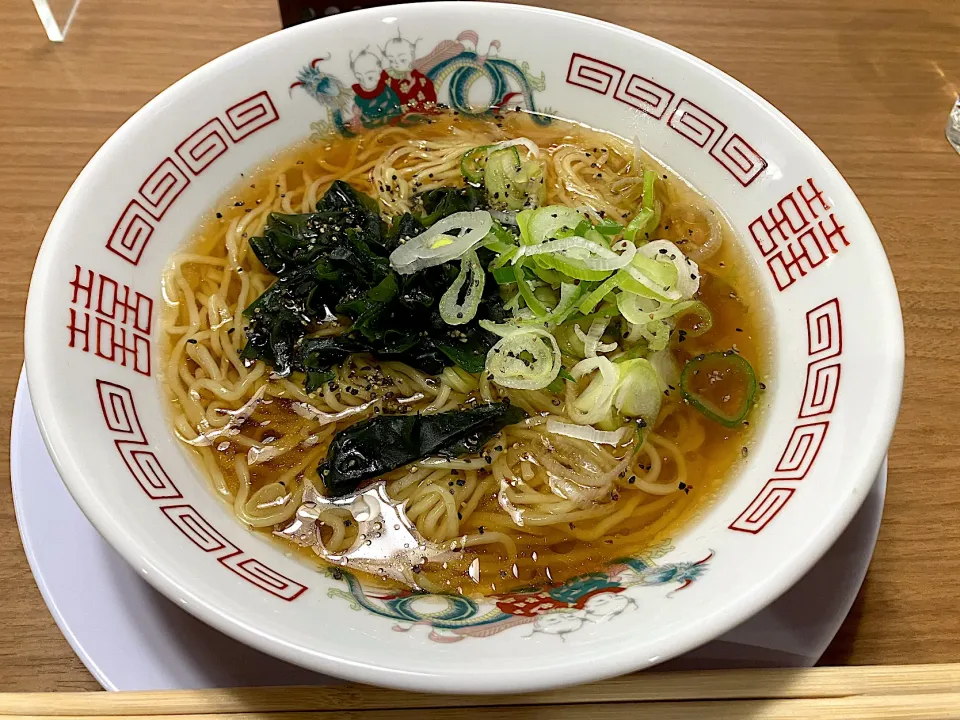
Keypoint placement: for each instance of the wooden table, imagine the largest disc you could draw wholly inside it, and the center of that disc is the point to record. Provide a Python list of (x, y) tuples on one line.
[(870, 81)]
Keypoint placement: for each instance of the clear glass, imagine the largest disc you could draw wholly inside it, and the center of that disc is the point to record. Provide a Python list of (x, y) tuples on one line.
[(953, 126), (56, 16)]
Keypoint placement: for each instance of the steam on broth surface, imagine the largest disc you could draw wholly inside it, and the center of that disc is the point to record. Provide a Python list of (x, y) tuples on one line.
[(562, 327)]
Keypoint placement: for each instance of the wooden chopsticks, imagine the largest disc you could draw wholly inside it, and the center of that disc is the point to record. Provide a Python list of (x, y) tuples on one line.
[(895, 691)]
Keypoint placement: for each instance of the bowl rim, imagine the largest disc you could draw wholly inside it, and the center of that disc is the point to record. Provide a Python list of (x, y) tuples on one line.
[(495, 680)]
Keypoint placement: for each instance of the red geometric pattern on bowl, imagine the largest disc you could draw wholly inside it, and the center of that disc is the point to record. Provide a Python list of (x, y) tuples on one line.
[(117, 326), (702, 128), (192, 156), (824, 349), (120, 415), (798, 234)]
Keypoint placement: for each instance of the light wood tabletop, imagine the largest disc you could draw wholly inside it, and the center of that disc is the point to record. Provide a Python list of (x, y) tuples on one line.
[(871, 81)]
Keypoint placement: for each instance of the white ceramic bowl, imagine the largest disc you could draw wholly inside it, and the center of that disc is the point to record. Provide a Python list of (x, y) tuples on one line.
[(838, 347)]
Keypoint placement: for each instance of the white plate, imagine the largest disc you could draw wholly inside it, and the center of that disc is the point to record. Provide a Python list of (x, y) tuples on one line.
[(132, 638)]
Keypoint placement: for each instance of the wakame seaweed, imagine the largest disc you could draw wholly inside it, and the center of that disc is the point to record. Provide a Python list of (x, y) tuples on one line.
[(335, 261), (386, 442)]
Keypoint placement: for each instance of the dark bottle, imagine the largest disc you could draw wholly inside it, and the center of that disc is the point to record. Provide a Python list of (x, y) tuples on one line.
[(294, 12)]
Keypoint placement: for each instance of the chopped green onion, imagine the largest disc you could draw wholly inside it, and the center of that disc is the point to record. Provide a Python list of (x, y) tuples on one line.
[(523, 224), (637, 309), (637, 351), (452, 310), (649, 177), (598, 294), (503, 275), (569, 293), (505, 259), (639, 224), (472, 164), (596, 401), (655, 332), (526, 291), (548, 223), (652, 278), (551, 277), (425, 251), (608, 227), (648, 218), (569, 268), (591, 339), (721, 385), (688, 274), (647, 317), (582, 228), (510, 183), (524, 358), (704, 319), (581, 258), (499, 239), (639, 390), (666, 367), (501, 167)]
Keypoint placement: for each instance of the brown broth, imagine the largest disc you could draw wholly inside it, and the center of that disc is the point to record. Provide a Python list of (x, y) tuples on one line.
[(728, 288)]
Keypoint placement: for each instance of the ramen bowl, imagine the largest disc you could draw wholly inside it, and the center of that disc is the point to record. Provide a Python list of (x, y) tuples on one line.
[(829, 405)]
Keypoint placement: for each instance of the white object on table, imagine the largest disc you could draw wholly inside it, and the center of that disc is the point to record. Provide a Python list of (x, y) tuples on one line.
[(56, 17), (130, 637), (953, 125)]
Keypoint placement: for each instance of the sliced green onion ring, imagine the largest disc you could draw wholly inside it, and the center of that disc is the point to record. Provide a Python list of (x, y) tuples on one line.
[(655, 332), (639, 390), (652, 278), (591, 339), (720, 370), (688, 274), (436, 245), (473, 162), (666, 367), (471, 271), (641, 311), (596, 401), (524, 358), (545, 223)]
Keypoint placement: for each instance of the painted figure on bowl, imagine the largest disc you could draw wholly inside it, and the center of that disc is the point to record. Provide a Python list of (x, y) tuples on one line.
[(414, 89), (376, 101)]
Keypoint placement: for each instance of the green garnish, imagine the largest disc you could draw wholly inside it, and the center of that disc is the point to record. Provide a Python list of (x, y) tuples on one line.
[(373, 447), (721, 385), (472, 164)]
